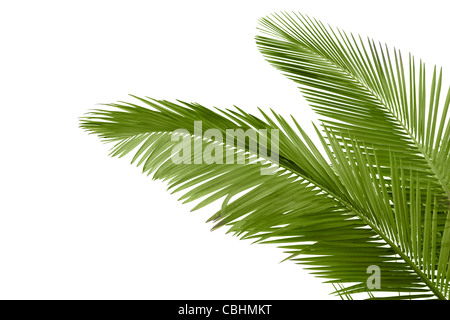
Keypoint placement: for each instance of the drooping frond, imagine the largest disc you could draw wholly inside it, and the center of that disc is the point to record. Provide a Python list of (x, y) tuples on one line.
[(286, 208)]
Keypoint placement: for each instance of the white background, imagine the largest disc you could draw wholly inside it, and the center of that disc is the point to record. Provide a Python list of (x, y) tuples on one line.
[(76, 224)]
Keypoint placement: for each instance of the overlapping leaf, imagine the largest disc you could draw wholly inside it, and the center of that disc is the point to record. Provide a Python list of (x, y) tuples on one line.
[(380, 197)]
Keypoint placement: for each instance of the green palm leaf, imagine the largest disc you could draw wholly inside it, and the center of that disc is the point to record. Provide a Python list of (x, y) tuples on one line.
[(369, 100), (363, 92), (378, 197)]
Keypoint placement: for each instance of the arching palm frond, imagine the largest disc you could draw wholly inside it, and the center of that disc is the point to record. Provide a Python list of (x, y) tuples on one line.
[(364, 90), (374, 105), (378, 197)]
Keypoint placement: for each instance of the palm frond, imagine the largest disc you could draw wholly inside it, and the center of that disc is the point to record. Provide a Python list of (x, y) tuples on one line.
[(373, 105), (364, 90), (379, 197)]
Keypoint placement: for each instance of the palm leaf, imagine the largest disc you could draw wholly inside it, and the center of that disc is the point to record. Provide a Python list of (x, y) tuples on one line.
[(363, 89), (378, 197), (370, 101)]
